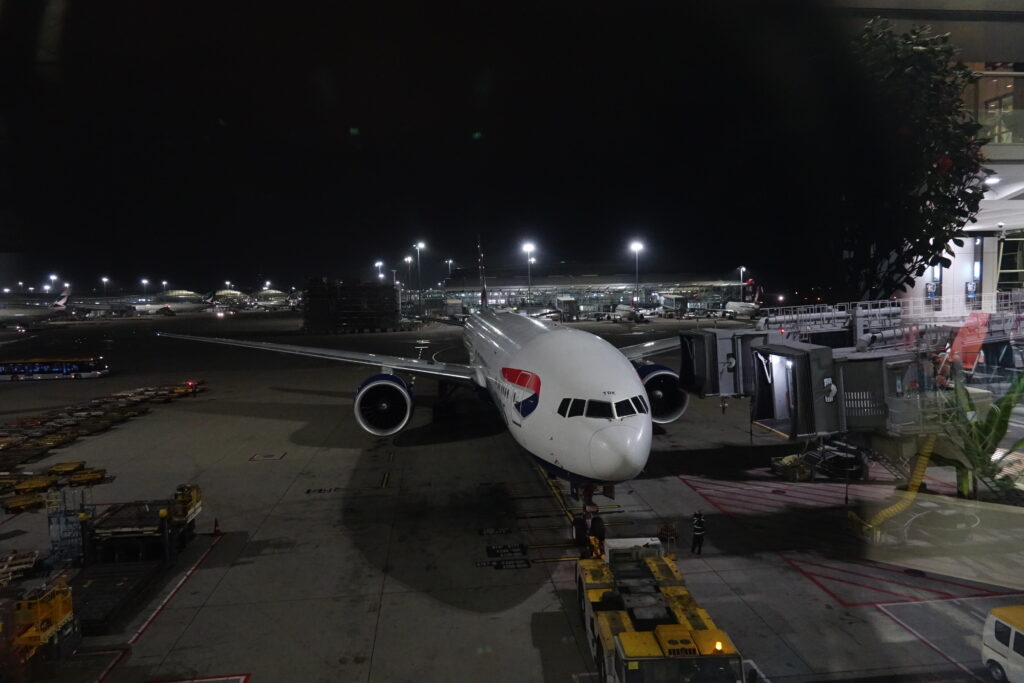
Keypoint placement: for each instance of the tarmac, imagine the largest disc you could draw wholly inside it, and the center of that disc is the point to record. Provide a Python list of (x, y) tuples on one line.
[(443, 554)]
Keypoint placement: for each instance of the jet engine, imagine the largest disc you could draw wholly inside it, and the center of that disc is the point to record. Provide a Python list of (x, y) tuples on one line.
[(383, 405), (668, 400)]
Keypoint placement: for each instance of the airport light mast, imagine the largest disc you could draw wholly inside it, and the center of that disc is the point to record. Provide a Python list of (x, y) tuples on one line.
[(104, 280), (741, 282), (164, 283), (144, 283), (636, 247), (529, 248), (450, 262), (419, 274), (408, 268), (378, 265)]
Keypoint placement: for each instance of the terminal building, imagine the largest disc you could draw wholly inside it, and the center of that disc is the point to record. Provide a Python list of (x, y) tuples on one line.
[(594, 289)]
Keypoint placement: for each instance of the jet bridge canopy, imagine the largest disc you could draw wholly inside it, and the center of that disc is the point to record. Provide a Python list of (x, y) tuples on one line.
[(794, 390)]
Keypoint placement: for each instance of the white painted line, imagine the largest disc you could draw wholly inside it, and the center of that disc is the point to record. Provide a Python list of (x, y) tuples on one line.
[(972, 597), (926, 641)]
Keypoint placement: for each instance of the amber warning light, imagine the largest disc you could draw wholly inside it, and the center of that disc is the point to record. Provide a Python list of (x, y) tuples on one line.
[(718, 646)]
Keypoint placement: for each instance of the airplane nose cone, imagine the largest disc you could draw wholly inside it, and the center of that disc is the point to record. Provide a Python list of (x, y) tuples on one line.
[(619, 452)]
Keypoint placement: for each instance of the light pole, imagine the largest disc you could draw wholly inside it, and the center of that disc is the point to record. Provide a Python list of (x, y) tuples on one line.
[(408, 267), (144, 283), (394, 275), (450, 262), (53, 280), (636, 247), (741, 282), (21, 286), (164, 283), (378, 265), (419, 275), (528, 248), (104, 280)]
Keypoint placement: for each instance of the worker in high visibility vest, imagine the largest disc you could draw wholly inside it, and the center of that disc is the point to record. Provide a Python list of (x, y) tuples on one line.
[(698, 533)]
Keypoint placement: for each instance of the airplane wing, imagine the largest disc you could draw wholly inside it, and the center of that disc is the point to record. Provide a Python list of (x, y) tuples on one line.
[(458, 372), (651, 348)]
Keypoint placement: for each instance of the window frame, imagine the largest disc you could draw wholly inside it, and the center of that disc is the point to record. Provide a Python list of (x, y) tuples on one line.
[(582, 402), (629, 404), (563, 407)]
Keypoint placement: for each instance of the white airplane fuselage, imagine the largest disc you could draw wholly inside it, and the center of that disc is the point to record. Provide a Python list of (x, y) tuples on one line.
[(529, 366)]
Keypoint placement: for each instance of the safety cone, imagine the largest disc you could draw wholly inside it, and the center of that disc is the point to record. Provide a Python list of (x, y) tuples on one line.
[(216, 527)]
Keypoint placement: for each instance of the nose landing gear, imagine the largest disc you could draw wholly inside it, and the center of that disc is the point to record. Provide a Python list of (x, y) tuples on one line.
[(589, 524)]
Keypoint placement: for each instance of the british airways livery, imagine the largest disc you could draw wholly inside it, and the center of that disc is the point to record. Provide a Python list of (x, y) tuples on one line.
[(583, 408)]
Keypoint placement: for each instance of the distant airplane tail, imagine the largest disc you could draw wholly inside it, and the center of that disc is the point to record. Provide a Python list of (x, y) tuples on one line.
[(62, 302)]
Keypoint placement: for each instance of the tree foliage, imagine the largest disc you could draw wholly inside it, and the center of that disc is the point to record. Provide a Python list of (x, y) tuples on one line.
[(891, 231)]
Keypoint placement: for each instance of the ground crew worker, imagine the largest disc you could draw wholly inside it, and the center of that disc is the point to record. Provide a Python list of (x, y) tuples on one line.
[(698, 533)]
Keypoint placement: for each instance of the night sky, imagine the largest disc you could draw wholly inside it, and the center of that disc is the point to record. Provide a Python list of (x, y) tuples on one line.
[(198, 141)]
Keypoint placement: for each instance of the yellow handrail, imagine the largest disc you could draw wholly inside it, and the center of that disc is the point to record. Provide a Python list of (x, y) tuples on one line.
[(884, 515)]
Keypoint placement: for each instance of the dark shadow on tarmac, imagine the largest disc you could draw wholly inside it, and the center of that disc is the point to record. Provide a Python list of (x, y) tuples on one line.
[(729, 461)]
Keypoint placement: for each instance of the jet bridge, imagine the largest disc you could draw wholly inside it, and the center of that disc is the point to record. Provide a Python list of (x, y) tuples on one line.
[(795, 390), (720, 362)]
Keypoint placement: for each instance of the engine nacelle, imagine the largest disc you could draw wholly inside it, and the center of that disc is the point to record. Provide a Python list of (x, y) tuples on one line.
[(383, 405), (668, 400)]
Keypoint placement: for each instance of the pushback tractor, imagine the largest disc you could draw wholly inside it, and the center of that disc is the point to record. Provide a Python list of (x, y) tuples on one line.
[(642, 624)]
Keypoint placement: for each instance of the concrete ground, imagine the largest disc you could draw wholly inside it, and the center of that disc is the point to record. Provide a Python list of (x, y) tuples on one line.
[(347, 557)]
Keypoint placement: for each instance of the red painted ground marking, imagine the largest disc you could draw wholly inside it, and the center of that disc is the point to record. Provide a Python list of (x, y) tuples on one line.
[(709, 501), (928, 578), (813, 580), (9, 519), (903, 596), (756, 503), (740, 506), (878, 578), (739, 488), (871, 491), (174, 591), (766, 494), (780, 498), (236, 678), (121, 654), (926, 642), (821, 495)]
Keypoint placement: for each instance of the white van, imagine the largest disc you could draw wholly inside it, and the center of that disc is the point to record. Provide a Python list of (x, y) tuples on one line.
[(1002, 644)]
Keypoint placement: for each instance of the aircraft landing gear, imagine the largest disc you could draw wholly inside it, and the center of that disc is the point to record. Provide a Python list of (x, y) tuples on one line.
[(589, 524), (444, 407)]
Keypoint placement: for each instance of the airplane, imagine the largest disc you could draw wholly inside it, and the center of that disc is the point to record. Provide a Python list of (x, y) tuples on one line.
[(29, 313), (582, 408), (734, 309), (170, 305)]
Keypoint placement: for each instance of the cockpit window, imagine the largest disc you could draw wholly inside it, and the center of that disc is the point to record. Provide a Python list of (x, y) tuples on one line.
[(643, 402), (624, 408), (638, 403), (576, 409), (563, 407), (599, 409)]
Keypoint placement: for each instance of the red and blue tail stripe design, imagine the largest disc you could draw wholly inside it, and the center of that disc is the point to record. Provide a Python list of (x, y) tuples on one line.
[(527, 380)]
